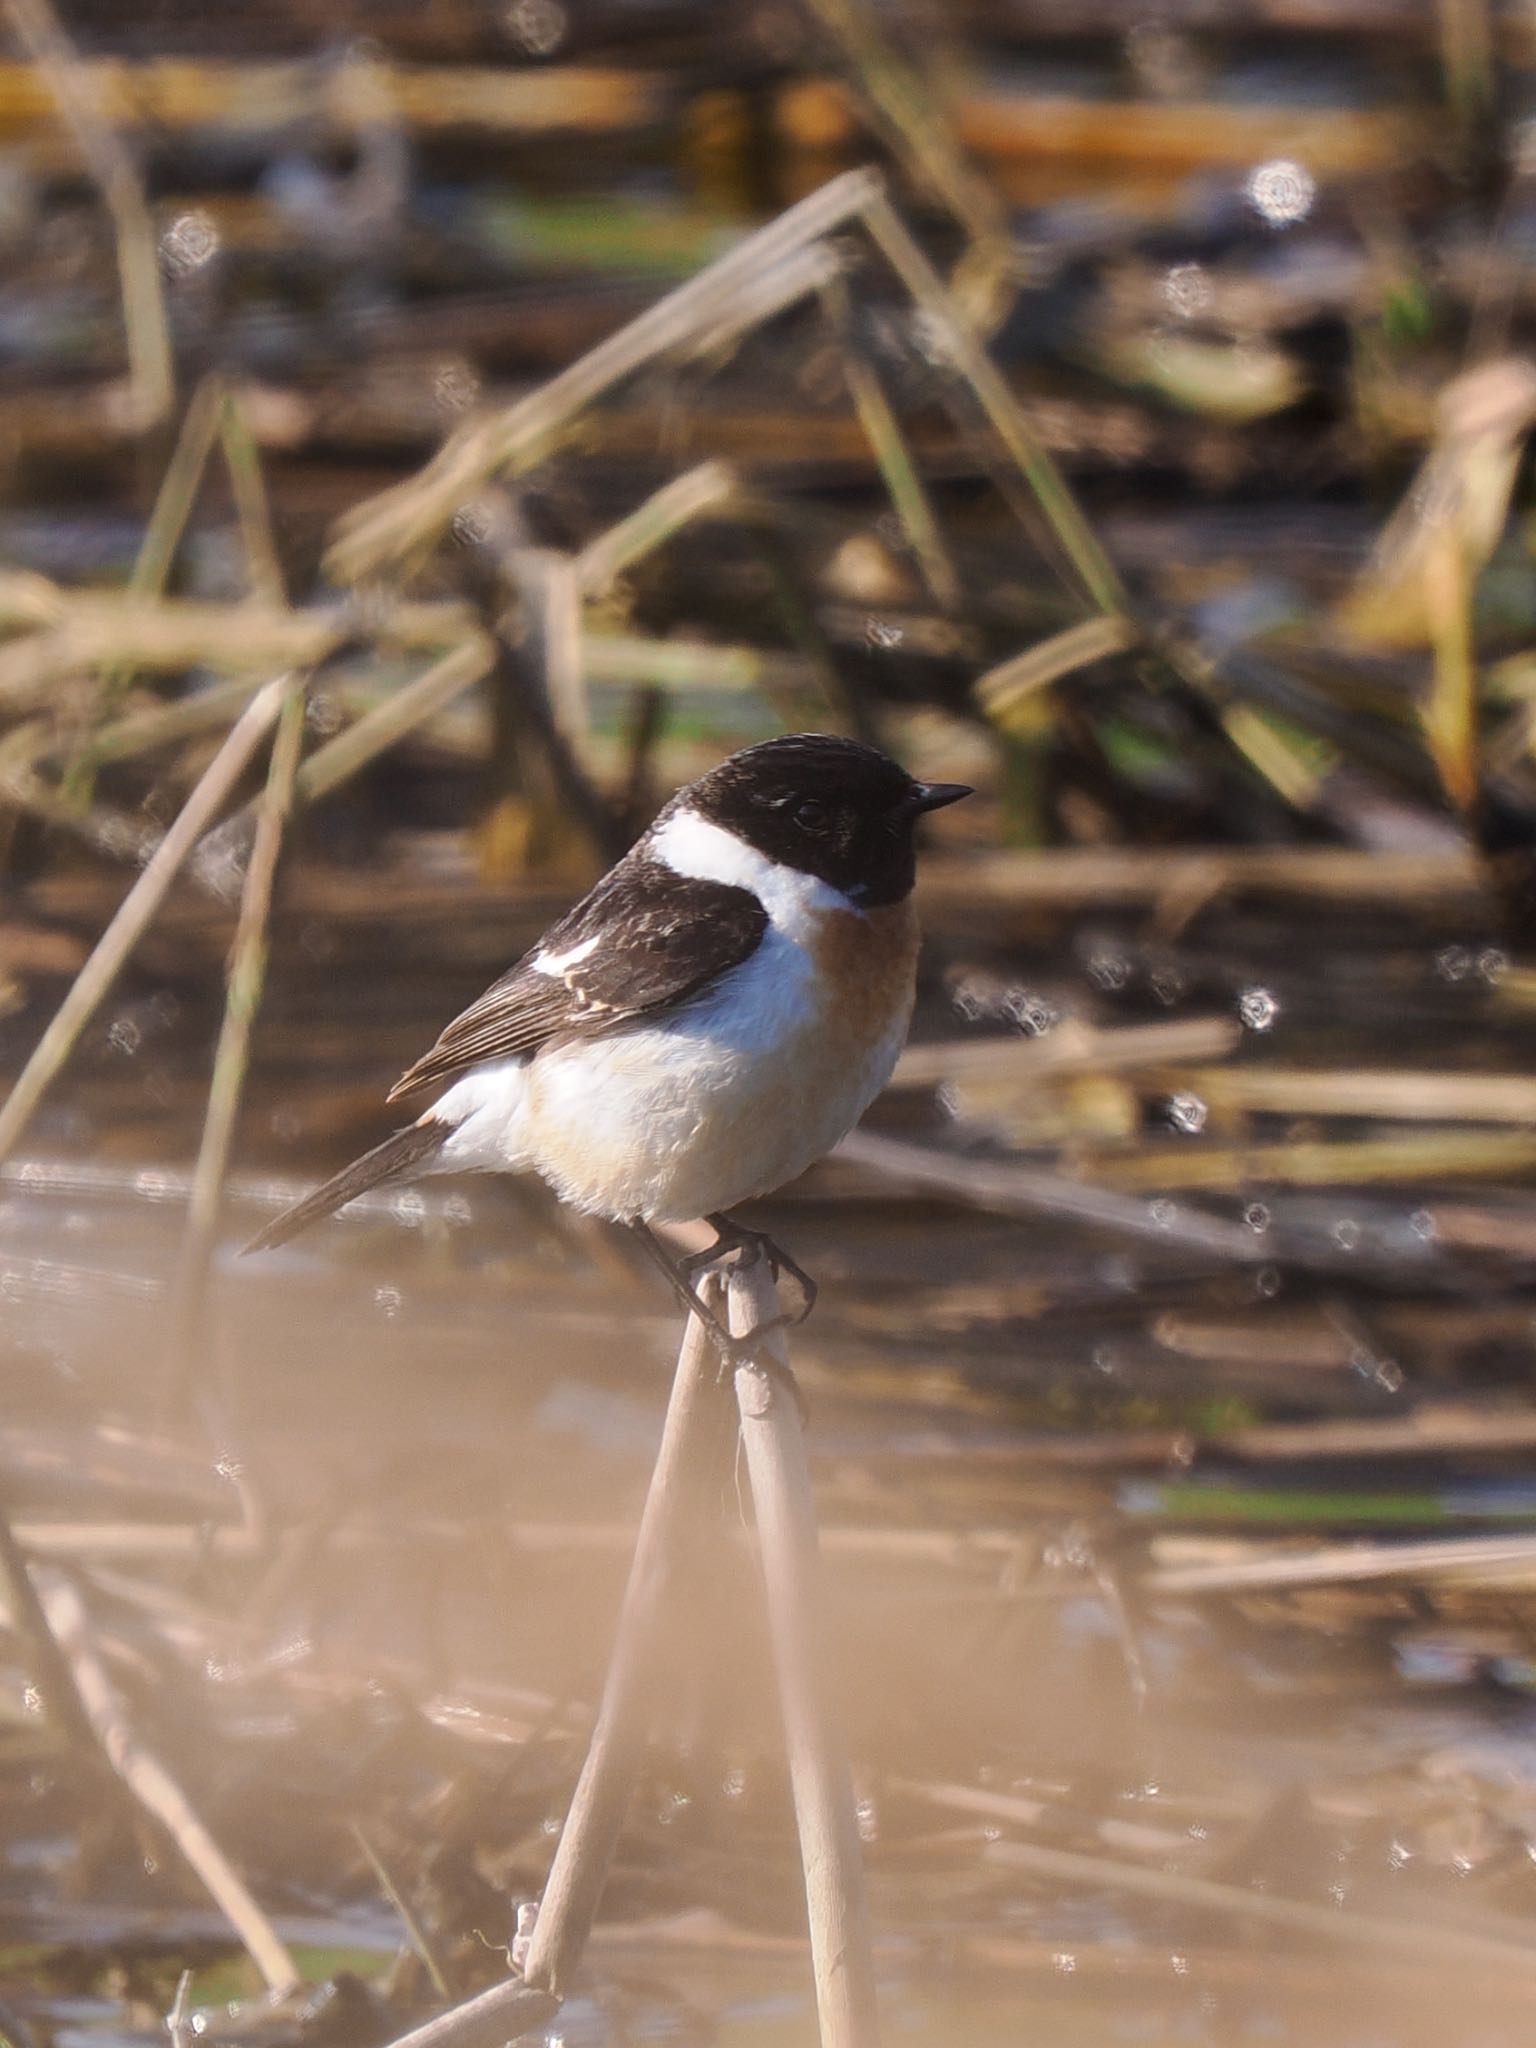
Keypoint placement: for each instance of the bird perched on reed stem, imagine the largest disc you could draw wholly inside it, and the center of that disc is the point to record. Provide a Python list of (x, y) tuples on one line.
[(709, 1020)]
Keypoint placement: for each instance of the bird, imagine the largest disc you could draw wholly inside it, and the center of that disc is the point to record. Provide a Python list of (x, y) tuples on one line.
[(709, 1020)]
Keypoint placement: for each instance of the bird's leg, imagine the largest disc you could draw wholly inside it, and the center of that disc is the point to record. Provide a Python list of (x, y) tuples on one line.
[(734, 1351), (677, 1277), (732, 1236)]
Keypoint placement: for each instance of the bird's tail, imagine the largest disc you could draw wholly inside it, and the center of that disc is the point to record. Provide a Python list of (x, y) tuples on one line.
[(398, 1158)]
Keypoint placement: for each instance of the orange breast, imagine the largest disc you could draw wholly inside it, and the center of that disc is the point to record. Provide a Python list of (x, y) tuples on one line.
[(869, 961)]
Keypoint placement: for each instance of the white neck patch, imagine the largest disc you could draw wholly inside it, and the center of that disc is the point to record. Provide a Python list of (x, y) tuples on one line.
[(705, 852)]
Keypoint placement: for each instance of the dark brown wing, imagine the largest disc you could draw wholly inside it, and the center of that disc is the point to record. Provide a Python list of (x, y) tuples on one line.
[(660, 939)]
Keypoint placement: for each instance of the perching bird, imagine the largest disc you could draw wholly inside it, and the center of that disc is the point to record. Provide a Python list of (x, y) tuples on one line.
[(709, 1020)]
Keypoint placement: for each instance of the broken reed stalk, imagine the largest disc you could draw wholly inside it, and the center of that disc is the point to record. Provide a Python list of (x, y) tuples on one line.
[(1098, 575), (153, 1785), (77, 92), (247, 978), (921, 129), (137, 908), (773, 1438), (411, 515), (672, 1508)]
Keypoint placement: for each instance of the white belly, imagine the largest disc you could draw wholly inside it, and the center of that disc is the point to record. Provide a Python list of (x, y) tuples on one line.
[(727, 1099)]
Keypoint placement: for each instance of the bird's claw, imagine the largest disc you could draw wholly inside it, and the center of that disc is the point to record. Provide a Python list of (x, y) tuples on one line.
[(752, 1245)]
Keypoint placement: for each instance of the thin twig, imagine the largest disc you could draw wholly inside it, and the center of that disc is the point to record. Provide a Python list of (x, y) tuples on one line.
[(247, 978), (1333, 1564), (167, 522), (1398, 1936), (416, 1934), (698, 493), (1002, 690), (178, 2022), (551, 587), (248, 487), (136, 909), (1100, 580), (76, 89), (580, 1867), (153, 1785), (888, 444), (505, 2013), (774, 1441)]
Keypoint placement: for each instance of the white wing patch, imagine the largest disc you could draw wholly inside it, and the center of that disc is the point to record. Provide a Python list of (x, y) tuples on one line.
[(557, 964)]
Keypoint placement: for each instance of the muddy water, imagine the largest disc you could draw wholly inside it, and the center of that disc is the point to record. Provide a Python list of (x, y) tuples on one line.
[(370, 1584)]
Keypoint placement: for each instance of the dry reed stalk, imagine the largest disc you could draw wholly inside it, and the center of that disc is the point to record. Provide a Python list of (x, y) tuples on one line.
[(76, 91), (888, 444), (401, 520), (1191, 1566), (165, 725), (415, 704), (154, 1786), (99, 629), (137, 908), (178, 2021), (773, 1438), (620, 658), (1324, 1163), (759, 299), (1153, 146), (1071, 1048), (402, 712), (673, 1510), (1068, 877), (1386, 1092), (1003, 689), (247, 978), (551, 588), (707, 490), (918, 124), (1398, 1936), (258, 98), (157, 550), (954, 336), (496, 2017), (248, 487), (1010, 1188)]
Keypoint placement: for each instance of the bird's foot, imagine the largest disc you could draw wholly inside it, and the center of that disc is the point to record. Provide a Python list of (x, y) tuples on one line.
[(731, 1236), (734, 1351)]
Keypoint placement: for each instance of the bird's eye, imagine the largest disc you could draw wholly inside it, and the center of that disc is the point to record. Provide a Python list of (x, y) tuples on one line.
[(811, 815)]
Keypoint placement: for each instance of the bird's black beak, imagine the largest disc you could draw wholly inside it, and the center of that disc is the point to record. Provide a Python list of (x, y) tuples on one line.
[(933, 796)]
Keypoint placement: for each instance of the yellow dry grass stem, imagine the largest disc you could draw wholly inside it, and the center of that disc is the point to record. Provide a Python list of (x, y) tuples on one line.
[(1319, 1163), (181, 94)]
